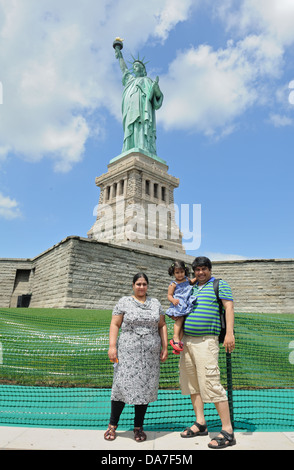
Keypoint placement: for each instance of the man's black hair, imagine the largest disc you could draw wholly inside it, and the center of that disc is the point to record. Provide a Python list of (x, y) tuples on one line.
[(201, 261)]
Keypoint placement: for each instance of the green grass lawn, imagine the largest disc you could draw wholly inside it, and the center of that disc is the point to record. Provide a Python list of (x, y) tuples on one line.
[(68, 348), (72, 314), (61, 347)]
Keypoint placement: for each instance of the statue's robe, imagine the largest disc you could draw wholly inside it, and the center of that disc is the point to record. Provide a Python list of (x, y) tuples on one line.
[(138, 110)]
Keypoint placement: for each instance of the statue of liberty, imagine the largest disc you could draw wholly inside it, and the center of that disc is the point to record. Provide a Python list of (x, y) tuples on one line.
[(141, 98)]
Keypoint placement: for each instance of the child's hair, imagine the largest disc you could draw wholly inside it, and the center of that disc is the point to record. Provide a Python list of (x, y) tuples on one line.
[(178, 264)]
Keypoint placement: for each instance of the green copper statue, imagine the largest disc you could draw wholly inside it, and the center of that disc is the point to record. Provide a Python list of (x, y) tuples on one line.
[(141, 97)]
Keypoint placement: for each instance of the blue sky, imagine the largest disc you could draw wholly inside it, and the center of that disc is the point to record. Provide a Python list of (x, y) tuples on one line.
[(226, 127)]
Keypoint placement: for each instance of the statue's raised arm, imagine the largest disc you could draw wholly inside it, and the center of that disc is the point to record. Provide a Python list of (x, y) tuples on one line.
[(141, 97), (118, 45)]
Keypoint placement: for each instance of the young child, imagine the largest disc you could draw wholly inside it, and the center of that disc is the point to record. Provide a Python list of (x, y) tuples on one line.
[(179, 294)]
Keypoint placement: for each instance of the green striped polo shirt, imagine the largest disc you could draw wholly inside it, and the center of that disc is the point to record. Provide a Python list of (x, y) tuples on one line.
[(204, 319)]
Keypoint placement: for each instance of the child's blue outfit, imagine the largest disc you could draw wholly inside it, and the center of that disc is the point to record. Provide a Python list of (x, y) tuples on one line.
[(182, 292)]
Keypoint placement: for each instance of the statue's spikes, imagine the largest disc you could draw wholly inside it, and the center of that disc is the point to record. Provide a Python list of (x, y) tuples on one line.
[(142, 61)]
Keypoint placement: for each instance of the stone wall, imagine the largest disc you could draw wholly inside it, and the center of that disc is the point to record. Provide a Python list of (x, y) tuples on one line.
[(83, 273), (265, 285), (9, 288), (101, 273), (51, 277)]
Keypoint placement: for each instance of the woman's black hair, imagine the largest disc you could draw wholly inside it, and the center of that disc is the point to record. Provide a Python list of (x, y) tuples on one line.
[(178, 264), (138, 275)]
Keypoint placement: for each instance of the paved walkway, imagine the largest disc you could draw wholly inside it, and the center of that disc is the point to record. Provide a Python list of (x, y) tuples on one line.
[(22, 438)]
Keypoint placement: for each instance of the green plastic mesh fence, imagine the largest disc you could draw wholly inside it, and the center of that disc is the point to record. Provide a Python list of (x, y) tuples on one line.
[(55, 372)]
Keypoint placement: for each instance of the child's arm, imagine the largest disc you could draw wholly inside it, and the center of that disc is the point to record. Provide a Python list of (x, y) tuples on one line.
[(170, 294)]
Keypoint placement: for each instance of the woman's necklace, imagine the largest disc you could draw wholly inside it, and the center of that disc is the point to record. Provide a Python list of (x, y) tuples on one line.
[(140, 299)]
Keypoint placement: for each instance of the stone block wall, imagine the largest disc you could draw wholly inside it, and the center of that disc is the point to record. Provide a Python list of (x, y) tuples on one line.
[(105, 273), (51, 277), (101, 273), (83, 273), (265, 285), (8, 271)]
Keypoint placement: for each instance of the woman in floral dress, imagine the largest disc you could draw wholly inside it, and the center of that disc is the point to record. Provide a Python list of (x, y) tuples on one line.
[(141, 345)]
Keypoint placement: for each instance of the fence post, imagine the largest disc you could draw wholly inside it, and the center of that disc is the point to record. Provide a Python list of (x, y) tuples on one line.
[(230, 386)]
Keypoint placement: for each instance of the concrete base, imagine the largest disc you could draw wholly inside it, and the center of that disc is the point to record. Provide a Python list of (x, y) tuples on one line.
[(21, 438)]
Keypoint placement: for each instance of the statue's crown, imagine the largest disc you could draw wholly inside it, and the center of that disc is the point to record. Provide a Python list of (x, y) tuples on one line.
[(138, 59)]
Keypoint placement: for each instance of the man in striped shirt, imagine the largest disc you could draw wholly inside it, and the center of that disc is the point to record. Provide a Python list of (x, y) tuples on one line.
[(199, 370)]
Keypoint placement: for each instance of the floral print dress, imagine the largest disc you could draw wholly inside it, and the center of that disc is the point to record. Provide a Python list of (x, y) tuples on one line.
[(136, 376)]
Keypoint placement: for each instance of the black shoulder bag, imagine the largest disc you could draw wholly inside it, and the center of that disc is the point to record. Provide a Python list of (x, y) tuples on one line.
[(222, 313)]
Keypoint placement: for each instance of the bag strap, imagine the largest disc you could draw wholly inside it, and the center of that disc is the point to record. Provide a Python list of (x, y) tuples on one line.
[(220, 304), (216, 288)]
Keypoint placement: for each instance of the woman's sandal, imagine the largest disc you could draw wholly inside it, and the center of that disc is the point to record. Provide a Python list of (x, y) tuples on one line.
[(222, 442), (139, 435), (110, 433), (176, 346), (189, 433)]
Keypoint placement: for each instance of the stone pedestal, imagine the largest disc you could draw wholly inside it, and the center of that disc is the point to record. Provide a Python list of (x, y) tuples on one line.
[(136, 204)]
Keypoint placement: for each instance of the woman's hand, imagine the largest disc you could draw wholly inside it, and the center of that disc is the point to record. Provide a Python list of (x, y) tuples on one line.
[(115, 324), (112, 353), (162, 328)]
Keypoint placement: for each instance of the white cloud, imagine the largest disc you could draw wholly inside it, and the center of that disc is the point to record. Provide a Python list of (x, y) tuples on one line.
[(224, 257), (272, 18), (9, 208), (206, 90), (56, 62), (280, 121), (57, 68), (172, 13), (43, 87)]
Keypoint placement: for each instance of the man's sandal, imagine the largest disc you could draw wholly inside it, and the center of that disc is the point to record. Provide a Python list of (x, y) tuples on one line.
[(189, 433), (226, 441), (110, 433), (139, 435)]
